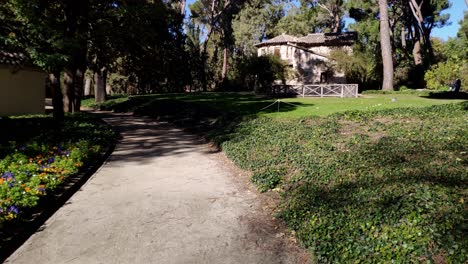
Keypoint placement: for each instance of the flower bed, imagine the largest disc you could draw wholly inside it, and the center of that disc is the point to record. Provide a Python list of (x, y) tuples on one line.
[(37, 155)]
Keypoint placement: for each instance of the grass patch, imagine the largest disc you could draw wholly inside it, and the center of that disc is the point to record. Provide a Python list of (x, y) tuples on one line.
[(248, 104), (90, 102), (387, 184), (37, 155)]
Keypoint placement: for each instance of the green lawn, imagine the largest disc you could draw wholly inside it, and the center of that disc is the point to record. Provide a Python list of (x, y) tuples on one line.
[(248, 104)]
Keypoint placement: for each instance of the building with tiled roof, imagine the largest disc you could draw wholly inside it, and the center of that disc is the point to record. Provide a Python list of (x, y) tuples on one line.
[(310, 55), (281, 39), (22, 87)]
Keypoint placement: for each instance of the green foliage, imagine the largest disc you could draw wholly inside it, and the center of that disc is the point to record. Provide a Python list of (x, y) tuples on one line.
[(367, 187), (402, 90), (37, 155), (359, 67), (253, 23), (268, 179), (441, 75), (259, 73)]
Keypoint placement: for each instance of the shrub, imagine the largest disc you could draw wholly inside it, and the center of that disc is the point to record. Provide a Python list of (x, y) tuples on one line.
[(441, 75), (261, 72)]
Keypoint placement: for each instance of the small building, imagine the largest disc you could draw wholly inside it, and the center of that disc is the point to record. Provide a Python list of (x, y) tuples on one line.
[(310, 55), (22, 87)]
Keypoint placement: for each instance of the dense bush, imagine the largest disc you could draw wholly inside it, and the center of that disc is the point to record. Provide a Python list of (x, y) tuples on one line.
[(37, 155), (442, 75), (261, 72), (375, 187)]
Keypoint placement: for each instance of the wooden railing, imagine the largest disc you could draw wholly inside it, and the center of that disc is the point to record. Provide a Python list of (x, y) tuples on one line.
[(318, 90)]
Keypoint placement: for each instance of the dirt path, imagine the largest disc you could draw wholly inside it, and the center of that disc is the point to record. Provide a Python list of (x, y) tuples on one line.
[(162, 197)]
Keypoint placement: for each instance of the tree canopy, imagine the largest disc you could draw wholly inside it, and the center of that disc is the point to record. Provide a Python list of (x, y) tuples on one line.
[(151, 46)]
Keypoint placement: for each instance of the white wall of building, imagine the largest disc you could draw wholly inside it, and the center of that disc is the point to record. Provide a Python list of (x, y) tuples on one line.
[(21, 92), (310, 66)]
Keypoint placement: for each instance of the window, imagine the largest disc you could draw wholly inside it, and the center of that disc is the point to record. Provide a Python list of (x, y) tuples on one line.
[(277, 52)]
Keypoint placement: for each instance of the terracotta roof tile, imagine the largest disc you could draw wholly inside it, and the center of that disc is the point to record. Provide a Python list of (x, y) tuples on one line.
[(316, 38), (329, 38), (12, 58), (346, 38), (283, 38)]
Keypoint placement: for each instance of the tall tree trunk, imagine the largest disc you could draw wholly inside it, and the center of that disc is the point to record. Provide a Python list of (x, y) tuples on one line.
[(386, 47), (417, 52), (225, 64), (78, 91), (337, 23), (68, 93), (87, 87), (182, 7), (403, 37), (204, 60), (100, 77), (57, 96), (422, 32)]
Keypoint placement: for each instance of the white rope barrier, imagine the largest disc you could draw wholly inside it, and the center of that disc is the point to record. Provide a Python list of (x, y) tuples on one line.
[(279, 101)]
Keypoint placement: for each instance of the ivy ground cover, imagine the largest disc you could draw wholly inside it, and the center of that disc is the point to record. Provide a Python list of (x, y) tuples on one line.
[(366, 187), (37, 155)]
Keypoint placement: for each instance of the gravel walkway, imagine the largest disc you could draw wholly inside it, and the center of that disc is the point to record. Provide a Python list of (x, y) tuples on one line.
[(163, 196)]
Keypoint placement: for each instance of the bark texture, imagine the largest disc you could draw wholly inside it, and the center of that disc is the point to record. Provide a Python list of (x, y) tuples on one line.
[(386, 47), (57, 103), (100, 77), (68, 92), (225, 64), (87, 87)]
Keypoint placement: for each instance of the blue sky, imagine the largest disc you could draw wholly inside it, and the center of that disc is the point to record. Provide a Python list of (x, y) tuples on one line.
[(456, 12)]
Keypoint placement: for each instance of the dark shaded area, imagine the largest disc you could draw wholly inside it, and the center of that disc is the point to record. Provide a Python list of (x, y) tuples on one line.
[(144, 139), (14, 129), (203, 113), (447, 95)]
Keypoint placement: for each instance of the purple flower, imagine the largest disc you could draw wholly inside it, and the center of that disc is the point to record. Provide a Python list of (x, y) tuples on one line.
[(42, 167), (22, 147), (8, 176), (13, 209), (50, 160)]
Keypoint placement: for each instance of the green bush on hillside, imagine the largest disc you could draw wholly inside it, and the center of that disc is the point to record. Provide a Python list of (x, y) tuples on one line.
[(442, 75)]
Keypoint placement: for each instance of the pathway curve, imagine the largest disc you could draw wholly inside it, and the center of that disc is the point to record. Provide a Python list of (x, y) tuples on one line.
[(162, 197)]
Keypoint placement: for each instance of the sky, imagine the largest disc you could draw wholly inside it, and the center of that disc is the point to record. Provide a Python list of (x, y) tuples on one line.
[(456, 12)]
